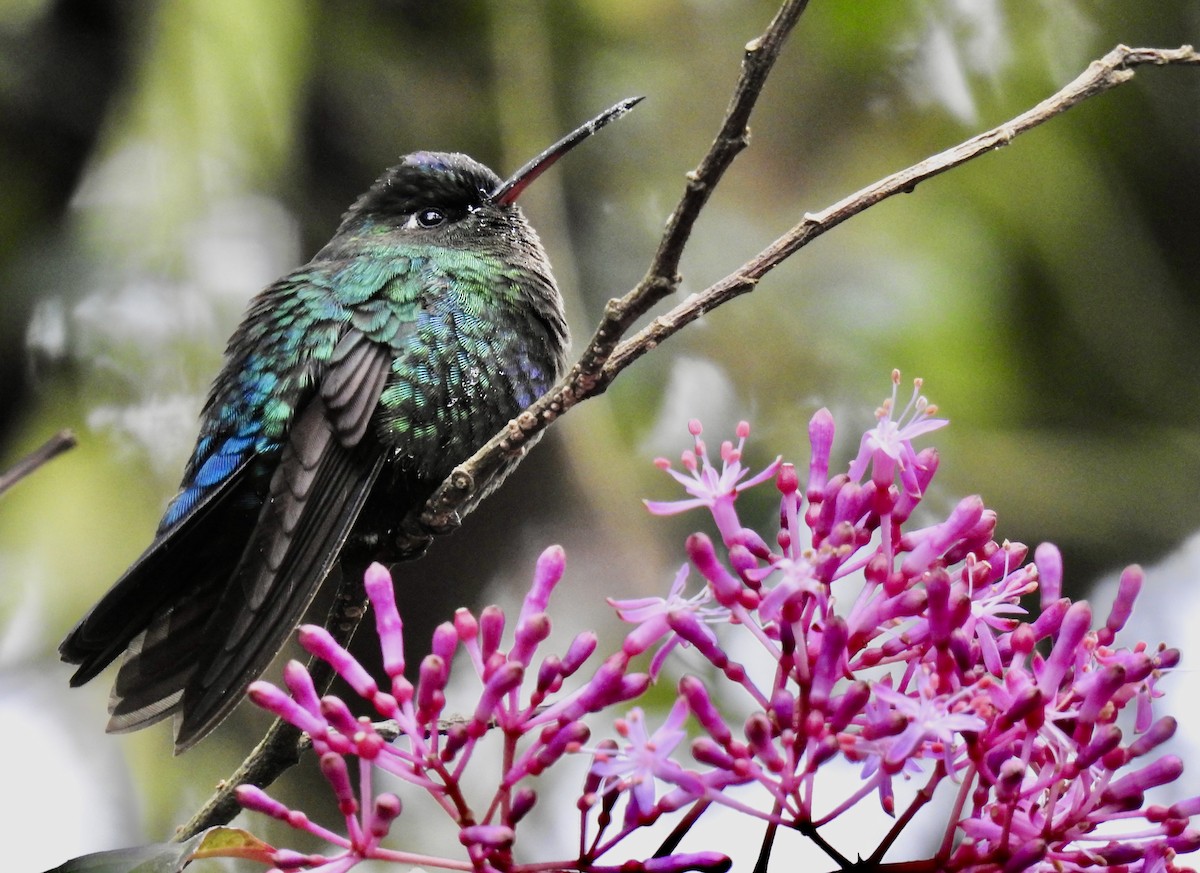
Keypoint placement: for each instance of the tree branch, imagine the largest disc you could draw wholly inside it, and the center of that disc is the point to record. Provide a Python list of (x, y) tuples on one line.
[(607, 354), (47, 451)]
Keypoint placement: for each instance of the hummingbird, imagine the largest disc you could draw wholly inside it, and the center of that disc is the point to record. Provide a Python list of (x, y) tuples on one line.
[(350, 390)]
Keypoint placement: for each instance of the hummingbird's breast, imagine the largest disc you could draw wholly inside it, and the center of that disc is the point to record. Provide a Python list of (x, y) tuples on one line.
[(483, 348)]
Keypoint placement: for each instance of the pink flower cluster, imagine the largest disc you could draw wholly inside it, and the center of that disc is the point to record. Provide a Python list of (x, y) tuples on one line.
[(904, 651), (432, 750)]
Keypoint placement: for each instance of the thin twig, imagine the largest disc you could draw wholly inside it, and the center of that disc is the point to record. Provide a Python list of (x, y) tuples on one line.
[(607, 355), (1114, 69), (50, 449)]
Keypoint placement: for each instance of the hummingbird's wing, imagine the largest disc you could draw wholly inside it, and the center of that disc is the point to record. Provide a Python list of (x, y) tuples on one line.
[(326, 472)]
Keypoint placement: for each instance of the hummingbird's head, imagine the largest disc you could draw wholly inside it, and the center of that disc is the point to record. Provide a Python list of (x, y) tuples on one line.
[(442, 201), (450, 200), (438, 198)]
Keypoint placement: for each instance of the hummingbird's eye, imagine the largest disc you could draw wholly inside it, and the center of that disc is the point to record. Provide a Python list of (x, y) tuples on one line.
[(427, 218)]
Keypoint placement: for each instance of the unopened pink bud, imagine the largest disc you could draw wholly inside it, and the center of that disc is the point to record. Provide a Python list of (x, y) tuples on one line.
[(491, 836), (388, 625), (1166, 769), (820, 438), (580, 650), (701, 706), (491, 629), (270, 698), (387, 809), (318, 641), (547, 574), (333, 768), (1074, 628), (498, 685), (337, 714), (932, 542), (253, 798), (531, 631), (703, 862), (523, 801), (300, 685), (758, 735), (1161, 731), (431, 687), (1127, 591), (465, 625), (1103, 684), (1048, 560), (444, 642), (1105, 738), (726, 586)]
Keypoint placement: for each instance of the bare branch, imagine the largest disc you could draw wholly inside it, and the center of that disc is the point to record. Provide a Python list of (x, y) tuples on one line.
[(1114, 69), (47, 451), (607, 355)]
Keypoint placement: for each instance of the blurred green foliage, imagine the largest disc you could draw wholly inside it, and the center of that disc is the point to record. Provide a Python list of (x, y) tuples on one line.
[(160, 162)]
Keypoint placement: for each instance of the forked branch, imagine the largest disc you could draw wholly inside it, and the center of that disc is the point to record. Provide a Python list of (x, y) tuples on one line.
[(609, 353)]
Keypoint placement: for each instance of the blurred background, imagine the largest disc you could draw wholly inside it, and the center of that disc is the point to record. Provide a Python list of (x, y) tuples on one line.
[(161, 162)]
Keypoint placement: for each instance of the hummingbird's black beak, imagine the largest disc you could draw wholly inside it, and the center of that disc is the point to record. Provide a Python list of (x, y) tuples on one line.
[(510, 190)]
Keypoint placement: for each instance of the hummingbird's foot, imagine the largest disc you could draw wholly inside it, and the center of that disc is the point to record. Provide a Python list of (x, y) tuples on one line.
[(416, 534), (411, 545), (440, 523)]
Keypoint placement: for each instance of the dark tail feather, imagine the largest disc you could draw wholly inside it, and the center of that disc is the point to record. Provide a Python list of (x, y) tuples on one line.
[(159, 663), (171, 578)]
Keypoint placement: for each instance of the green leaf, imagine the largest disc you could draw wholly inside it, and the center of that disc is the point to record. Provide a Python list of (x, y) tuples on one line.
[(217, 842)]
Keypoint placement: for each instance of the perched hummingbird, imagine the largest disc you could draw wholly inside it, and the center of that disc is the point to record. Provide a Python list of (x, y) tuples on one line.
[(351, 389)]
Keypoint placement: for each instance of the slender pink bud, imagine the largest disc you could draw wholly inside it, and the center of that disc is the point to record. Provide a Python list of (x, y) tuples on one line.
[(318, 641), (580, 650), (547, 574), (523, 801), (726, 586), (255, 799), (444, 642), (386, 810), (491, 836), (820, 437), (1161, 731), (701, 706), (300, 685), (272, 699), (1127, 591), (1048, 560), (498, 685), (333, 768), (491, 628), (388, 625), (431, 686), (466, 625), (702, 862), (1074, 628), (532, 629)]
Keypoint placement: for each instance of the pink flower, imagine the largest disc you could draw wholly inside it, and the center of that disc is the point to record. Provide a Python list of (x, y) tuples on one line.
[(710, 487), (887, 448)]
